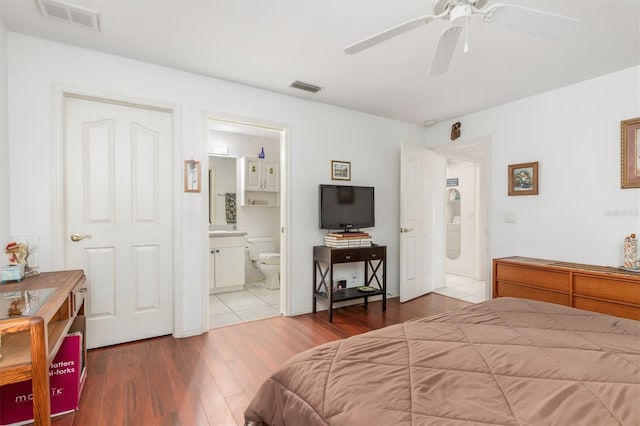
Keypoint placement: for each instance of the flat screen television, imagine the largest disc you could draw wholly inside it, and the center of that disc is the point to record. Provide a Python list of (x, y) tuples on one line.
[(346, 207)]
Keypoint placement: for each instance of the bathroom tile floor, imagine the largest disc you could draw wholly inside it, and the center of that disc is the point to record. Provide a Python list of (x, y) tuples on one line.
[(255, 302), (463, 288)]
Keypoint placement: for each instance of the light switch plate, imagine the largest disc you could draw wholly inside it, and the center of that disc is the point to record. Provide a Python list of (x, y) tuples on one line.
[(510, 217)]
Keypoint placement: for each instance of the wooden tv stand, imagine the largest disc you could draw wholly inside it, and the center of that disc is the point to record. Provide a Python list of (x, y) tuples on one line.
[(603, 289), (31, 341), (374, 258)]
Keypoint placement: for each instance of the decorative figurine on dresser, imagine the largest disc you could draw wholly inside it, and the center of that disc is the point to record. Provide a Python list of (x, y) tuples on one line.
[(21, 260), (631, 253)]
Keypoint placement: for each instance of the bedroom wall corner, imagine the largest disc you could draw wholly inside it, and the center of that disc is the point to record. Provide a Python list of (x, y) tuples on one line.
[(4, 136)]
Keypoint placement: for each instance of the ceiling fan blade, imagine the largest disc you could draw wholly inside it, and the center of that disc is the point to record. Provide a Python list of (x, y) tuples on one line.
[(538, 23), (444, 51), (387, 34)]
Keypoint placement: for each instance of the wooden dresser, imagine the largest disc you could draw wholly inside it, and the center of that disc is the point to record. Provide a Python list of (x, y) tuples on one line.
[(602, 289), (50, 305)]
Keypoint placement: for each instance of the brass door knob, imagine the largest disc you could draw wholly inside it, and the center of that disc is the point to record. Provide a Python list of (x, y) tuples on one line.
[(78, 237)]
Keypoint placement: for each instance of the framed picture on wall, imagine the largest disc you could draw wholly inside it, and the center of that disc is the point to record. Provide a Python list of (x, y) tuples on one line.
[(340, 170), (523, 179), (630, 153), (191, 176)]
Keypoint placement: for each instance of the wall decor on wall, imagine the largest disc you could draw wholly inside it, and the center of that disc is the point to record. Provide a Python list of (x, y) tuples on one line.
[(523, 179), (455, 130), (630, 151), (191, 176), (340, 170)]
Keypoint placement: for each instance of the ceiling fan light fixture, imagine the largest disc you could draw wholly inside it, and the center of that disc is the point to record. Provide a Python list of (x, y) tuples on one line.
[(458, 13), (440, 6)]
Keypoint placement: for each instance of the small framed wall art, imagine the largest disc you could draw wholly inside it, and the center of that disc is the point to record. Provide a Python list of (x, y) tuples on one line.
[(191, 176), (523, 179), (630, 153), (340, 170)]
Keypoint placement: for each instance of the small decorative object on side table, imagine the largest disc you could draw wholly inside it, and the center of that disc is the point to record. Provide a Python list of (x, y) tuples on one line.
[(17, 256), (22, 259), (13, 273)]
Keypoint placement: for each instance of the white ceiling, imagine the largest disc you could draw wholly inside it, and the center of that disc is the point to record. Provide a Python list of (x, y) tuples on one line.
[(271, 43)]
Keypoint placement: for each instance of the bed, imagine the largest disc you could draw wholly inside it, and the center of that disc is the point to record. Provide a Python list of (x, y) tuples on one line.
[(506, 361)]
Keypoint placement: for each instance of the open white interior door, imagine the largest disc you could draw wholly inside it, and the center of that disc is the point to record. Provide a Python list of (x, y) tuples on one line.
[(420, 260)]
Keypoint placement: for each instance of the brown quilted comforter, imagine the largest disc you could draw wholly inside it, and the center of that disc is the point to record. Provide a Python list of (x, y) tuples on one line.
[(505, 361)]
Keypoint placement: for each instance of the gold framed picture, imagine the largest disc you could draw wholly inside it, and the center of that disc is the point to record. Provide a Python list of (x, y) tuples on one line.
[(630, 153), (523, 179)]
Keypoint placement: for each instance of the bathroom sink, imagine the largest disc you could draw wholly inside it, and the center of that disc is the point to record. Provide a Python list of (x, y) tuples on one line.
[(223, 233)]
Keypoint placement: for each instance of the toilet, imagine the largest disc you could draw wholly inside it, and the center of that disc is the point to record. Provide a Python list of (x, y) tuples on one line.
[(262, 254)]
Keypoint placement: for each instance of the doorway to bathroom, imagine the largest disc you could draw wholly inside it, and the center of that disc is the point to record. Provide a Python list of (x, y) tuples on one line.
[(465, 193), (246, 224)]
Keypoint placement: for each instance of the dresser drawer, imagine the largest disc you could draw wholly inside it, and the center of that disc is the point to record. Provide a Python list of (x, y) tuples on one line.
[(235, 241), (357, 254), (604, 307), (595, 288), (606, 288), (542, 278), (505, 289)]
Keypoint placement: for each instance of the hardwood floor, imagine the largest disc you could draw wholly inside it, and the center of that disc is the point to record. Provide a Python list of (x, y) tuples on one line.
[(210, 379)]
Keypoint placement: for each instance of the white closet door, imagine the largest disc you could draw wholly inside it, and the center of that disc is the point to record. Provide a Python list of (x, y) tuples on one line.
[(118, 186)]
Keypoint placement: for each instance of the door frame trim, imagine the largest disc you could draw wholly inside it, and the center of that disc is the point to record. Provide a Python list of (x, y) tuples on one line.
[(285, 203), (58, 231)]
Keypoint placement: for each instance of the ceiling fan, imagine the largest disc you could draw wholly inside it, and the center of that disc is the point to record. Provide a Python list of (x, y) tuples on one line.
[(458, 13)]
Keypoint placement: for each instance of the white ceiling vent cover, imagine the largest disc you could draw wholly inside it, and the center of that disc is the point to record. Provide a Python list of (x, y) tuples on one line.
[(70, 13), (305, 86)]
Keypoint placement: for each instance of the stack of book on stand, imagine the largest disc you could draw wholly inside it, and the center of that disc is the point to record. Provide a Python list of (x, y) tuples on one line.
[(347, 239)]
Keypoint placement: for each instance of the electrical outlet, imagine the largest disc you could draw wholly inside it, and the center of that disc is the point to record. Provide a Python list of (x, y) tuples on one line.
[(354, 277)]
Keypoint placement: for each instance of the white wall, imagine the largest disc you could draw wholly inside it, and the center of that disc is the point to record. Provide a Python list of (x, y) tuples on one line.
[(318, 134), (4, 139), (580, 214)]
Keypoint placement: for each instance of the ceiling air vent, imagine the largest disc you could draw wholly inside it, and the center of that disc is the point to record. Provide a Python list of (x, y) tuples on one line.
[(70, 13), (305, 86)]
